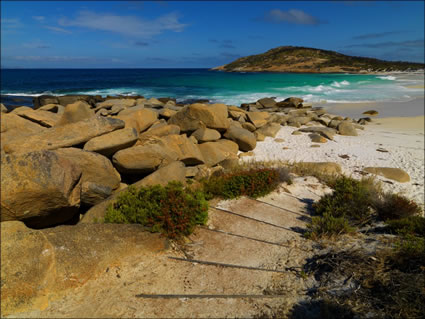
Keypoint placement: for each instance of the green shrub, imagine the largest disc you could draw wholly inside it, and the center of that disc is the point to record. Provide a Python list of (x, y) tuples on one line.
[(327, 226), (414, 225), (252, 183), (394, 206), (171, 210), (350, 199), (409, 255)]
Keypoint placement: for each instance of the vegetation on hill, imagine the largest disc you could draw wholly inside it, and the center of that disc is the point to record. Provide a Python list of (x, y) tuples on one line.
[(301, 59)]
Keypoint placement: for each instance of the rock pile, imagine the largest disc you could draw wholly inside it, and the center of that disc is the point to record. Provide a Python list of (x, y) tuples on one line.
[(70, 153)]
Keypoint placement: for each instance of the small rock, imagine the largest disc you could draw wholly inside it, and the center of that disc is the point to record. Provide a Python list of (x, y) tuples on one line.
[(316, 138), (396, 174), (371, 113), (383, 150), (279, 140), (315, 145), (296, 133)]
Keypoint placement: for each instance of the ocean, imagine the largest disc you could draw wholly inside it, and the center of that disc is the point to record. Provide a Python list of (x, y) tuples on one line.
[(221, 87)]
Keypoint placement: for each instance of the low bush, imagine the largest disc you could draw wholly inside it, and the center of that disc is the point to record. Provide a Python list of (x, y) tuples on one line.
[(350, 199), (409, 254), (327, 226), (394, 206), (252, 183), (171, 210), (414, 225)]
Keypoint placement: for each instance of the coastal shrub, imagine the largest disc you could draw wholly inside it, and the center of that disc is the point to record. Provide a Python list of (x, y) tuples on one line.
[(350, 199), (327, 226), (395, 206), (414, 225), (171, 210), (409, 254), (252, 183)]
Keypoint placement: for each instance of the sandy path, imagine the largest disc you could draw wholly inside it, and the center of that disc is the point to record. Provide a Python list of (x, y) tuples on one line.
[(403, 138)]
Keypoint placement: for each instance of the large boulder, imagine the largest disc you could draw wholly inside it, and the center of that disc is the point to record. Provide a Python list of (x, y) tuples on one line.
[(191, 117), (40, 266), (76, 112), (110, 143), (259, 119), (40, 188), (3, 108), (245, 139), (174, 171), (64, 136), (141, 120), (204, 134), (43, 118), (189, 152), (324, 131), (229, 146), (270, 129), (302, 120), (267, 102), (396, 174), (54, 108), (96, 168), (161, 130), (70, 99), (291, 102), (14, 127), (215, 152), (347, 129), (144, 159)]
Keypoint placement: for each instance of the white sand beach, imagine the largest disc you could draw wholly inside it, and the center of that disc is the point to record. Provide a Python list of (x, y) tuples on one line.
[(402, 137)]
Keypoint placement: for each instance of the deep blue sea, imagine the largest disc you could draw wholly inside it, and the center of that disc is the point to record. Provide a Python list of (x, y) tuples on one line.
[(229, 88)]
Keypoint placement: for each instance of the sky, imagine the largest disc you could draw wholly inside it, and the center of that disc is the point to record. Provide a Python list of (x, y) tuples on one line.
[(201, 34)]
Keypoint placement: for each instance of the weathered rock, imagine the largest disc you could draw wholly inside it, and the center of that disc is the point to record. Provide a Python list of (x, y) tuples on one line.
[(270, 129), (141, 120), (39, 266), (187, 151), (76, 112), (259, 136), (167, 113), (43, 100), (291, 102), (229, 146), (174, 171), (322, 167), (129, 110), (161, 130), (43, 118), (299, 119), (229, 163), (371, 113), (92, 193), (155, 102), (64, 136), (296, 133), (334, 124), (396, 174), (40, 188), (246, 154), (3, 108), (55, 108), (110, 143), (144, 159), (267, 102), (234, 123), (259, 119), (316, 138), (21, 109), (96, 168), (324, 131), (70, 99), (244, 138), (108, 104), (249, 126), (214, 152), (347, 129), (204, 134), (190, 117), (14, 127)]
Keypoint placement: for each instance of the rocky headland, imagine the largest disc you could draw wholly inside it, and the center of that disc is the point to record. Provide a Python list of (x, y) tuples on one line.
[(310, 60)]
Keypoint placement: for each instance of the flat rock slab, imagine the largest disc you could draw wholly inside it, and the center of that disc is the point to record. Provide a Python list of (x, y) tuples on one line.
[(64, 136), (396, 174)]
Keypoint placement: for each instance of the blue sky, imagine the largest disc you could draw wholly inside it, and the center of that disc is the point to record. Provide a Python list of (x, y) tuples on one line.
[(151, 34)]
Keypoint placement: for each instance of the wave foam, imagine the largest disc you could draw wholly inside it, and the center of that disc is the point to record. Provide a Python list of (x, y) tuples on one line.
[(388, 77)]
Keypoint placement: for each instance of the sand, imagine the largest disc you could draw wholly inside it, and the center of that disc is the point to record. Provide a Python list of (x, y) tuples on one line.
[(402, 137)]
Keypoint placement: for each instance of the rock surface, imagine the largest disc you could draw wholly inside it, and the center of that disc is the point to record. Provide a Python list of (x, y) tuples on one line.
[(75, 112), (40, 188), (64, 136), (244, 138)]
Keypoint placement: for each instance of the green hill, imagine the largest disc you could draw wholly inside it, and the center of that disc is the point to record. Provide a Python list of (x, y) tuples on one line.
[(310, 60)]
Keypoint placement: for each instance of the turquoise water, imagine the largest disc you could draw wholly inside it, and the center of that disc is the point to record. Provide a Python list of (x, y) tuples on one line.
[(229, 88)]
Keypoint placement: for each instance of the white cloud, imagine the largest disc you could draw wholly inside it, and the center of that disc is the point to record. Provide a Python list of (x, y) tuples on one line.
[(126, 25), (39, 18), (294, 16), (57, 29)]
